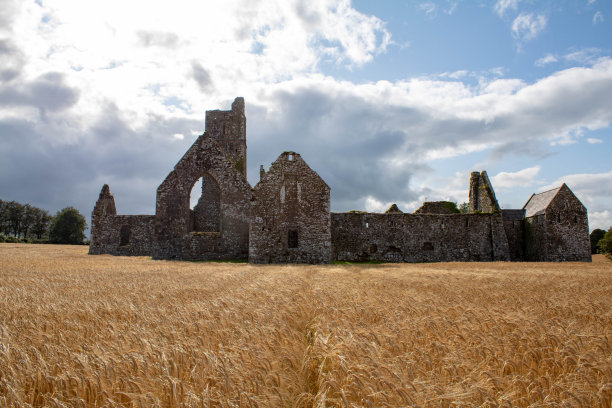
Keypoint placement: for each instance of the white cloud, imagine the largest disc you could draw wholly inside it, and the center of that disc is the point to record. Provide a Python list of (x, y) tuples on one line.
[(515, 179), (595, 192), (527, 26), (592, 140), (545, 60), (592, 185), (598, 17), (600, 219), (502, 5), (583, 56), (429, 8)]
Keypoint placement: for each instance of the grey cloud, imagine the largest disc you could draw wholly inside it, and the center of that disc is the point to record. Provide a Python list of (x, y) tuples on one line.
[(361, 148), (48, 92), (35, 168), (11, 61), (157, 39), (309, 17), (346, 139), (202, 77)]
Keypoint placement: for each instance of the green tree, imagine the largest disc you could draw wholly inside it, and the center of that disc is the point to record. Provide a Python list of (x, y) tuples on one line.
[(463, 208), (28, 219), (42, 223), (15, 213), (68, 227), (605, 244), (4, 224), (596, 235)]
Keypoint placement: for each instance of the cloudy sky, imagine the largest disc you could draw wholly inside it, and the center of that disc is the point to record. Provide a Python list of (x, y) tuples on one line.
[(390, 101)]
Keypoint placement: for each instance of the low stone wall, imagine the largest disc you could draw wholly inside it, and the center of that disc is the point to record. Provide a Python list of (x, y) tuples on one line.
[(418, 237), (123, 235)]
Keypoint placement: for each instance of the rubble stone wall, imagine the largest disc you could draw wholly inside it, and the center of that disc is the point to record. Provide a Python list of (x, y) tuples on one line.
[(228, 128), (290, 215), (174, 237), (124, 235), (515, 235), (418, 237), (567, 229), (482, 196)]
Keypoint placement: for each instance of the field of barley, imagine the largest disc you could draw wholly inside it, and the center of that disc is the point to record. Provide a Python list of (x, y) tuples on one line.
[(84, 331)]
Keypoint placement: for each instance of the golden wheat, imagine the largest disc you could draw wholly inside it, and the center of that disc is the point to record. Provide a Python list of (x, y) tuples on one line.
[(84, 331)]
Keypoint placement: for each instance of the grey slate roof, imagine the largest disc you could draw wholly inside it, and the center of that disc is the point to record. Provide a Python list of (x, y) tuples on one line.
[(513, 215), (537, 203)]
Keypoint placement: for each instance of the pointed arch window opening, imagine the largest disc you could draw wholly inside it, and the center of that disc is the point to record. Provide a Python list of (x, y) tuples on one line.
[(205, 205)]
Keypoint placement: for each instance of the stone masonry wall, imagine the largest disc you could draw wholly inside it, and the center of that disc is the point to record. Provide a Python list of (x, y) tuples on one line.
[(567, 229), (437, 207), (118, 234), (560, 233), (207, 212), (514, 225), (418, 237), (125, 235), (290, 217), (173, 236), (482, 196), (228, 128)]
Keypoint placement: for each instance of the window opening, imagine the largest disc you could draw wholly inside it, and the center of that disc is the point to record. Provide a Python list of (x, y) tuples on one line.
[(205, 208), (292, 238), (124, 234)]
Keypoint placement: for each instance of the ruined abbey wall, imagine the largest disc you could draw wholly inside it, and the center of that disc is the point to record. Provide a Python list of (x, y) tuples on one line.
[(482, 196), (290, 214), (514, 221), (560, 232), (124, 235), (174, 237), (418, 237), (228, 128), (286, 218)]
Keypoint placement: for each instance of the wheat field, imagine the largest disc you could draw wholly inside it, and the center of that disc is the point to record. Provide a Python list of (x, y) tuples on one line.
[(92, 331)]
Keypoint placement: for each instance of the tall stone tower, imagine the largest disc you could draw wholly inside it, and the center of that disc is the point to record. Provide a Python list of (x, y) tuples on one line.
[(228, 128)]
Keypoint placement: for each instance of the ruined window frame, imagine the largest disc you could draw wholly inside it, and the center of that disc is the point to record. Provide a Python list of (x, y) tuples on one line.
[(293, 238)]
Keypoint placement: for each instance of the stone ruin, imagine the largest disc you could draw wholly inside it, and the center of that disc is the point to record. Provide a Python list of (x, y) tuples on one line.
[(286, 217)]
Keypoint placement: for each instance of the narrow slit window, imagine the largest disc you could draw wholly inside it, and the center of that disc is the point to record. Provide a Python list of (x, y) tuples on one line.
[(125, 233), (292, 238)]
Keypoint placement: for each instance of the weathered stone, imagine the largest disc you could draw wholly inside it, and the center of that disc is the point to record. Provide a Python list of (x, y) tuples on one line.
[(556, 227), (286, 217), (290, 218), (482, 196), (418, 237), (174, 234), (118, 234), (514, 225), (393, 210), (437, 207)]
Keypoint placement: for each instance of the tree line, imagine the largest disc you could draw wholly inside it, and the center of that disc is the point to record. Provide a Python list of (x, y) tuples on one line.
[(27, 223), (601, 242)]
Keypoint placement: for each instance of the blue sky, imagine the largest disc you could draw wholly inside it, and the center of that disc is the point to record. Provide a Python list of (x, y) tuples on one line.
[(390, 101)]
